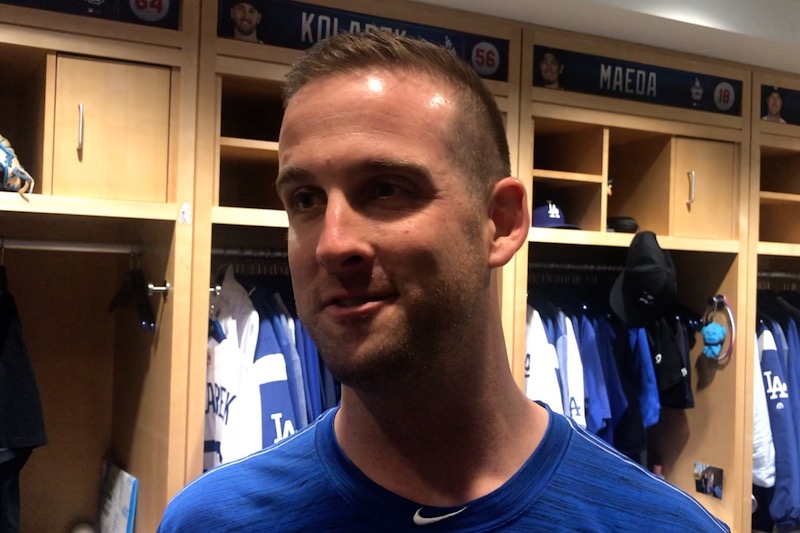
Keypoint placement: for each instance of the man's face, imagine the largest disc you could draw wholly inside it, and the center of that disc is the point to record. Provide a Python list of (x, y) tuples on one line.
[(774, 104), (245, 17), (388, 250), (550, 68)]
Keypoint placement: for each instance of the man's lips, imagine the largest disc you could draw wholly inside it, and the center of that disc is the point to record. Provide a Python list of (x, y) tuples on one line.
[(349, 300)]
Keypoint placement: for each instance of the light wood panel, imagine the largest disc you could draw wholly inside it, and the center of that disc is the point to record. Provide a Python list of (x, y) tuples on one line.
[(111, 134)]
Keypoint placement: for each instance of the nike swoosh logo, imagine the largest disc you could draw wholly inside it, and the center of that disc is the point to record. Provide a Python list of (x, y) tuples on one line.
[(425, 520)]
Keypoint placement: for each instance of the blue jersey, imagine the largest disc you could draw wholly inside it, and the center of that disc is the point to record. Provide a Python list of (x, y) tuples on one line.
[(572, 482), (785, 505)]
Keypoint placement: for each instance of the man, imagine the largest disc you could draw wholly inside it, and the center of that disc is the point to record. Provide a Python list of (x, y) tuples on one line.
[(550, 68), (394, 170), (246, 17), (774, 105)]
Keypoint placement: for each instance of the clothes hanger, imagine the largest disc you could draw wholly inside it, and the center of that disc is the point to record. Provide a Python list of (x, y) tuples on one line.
[(134, 291)]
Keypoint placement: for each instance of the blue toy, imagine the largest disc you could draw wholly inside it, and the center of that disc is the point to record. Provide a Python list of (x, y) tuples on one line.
[(15, 178)]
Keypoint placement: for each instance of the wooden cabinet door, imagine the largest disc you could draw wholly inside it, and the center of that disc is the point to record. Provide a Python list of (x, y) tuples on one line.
[(703, 193), (124, 128)]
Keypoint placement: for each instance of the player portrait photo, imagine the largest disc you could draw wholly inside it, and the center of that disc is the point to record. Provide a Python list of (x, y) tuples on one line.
[(780, 105), (240, 20), (549, 68)]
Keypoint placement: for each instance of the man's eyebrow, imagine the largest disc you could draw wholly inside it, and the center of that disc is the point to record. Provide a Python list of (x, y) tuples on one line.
[(380, 165), (290, 175)]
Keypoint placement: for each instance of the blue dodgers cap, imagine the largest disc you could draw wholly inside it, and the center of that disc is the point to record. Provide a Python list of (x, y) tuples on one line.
[(549, 215)]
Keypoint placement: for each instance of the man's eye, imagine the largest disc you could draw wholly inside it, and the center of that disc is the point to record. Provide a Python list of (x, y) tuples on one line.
[(305, 200), (385, 189)]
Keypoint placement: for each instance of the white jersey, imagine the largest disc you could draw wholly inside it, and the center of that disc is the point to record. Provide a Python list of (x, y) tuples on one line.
[(763, 447), (576, 409), (233, 400), (541, 365)]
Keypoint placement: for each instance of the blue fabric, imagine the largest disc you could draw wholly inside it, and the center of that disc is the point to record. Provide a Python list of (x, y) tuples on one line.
[(598, 410), (311, 370), (572, 482), (283, 342), (617, 401), (560, 343), (785, 505), (648, 388), (278, 416), (793, 372)]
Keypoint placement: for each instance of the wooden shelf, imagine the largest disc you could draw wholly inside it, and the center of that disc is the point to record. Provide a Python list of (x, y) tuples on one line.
[(558, 175), (600, 238), (248, 149), (242, 216), (68, 205), (778, 249), (767, 197)]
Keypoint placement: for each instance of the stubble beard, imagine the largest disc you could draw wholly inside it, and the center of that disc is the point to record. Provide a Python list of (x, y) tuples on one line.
[(430, 336)]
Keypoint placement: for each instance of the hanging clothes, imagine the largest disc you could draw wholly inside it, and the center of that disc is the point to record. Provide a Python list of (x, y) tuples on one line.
[(785, 504), (541, 365), (233, 404), (21, 419)]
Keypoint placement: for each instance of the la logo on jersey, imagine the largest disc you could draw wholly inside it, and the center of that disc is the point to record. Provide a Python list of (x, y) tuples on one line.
[(776, 388), (281, 431)]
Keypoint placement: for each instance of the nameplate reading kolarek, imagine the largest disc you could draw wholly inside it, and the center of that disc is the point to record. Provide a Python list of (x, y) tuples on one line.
[(628, 80), (298, 26)]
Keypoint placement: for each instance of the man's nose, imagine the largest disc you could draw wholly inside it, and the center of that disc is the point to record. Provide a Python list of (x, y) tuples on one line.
[(343, 242)]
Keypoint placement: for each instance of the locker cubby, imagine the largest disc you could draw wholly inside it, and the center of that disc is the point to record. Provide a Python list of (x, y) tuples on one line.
[(247, 178), (248, 148), (778, 273), (780, 171), (639, 177), (778, 221), (22, 96), (565, 146), (580, 202), (250, 237), (251, 108)]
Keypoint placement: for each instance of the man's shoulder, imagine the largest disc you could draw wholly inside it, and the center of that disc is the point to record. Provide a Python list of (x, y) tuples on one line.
[(628, 494), (226, 494)]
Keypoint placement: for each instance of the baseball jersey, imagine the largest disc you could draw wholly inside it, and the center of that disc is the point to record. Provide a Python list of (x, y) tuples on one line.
[(763, 449), (232, 427), (571, 482), (541, 365), (576, 396), (785, 505), (598, 410), (617, 402)]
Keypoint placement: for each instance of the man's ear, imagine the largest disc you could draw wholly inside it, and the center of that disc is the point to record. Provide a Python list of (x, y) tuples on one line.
[(509, 215)]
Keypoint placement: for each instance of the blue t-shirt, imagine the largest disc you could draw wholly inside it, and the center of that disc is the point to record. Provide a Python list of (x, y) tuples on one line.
[(572, 482)]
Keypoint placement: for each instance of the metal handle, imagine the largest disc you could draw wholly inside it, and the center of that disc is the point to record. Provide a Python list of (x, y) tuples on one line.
[(691, 188), (80, 127), (151, 288)]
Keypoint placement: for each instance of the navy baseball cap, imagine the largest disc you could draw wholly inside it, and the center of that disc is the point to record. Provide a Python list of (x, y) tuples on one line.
[(549, 215), (647, 286)]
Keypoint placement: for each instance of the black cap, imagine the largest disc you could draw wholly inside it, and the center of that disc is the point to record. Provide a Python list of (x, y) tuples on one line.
[(257, 4), (647, 285)]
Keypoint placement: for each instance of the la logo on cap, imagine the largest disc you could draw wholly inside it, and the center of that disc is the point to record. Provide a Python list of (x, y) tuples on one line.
[(552, 210)]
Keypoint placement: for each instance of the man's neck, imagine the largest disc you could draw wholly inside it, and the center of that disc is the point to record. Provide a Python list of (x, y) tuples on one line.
[(251, 37), (445, 441)]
